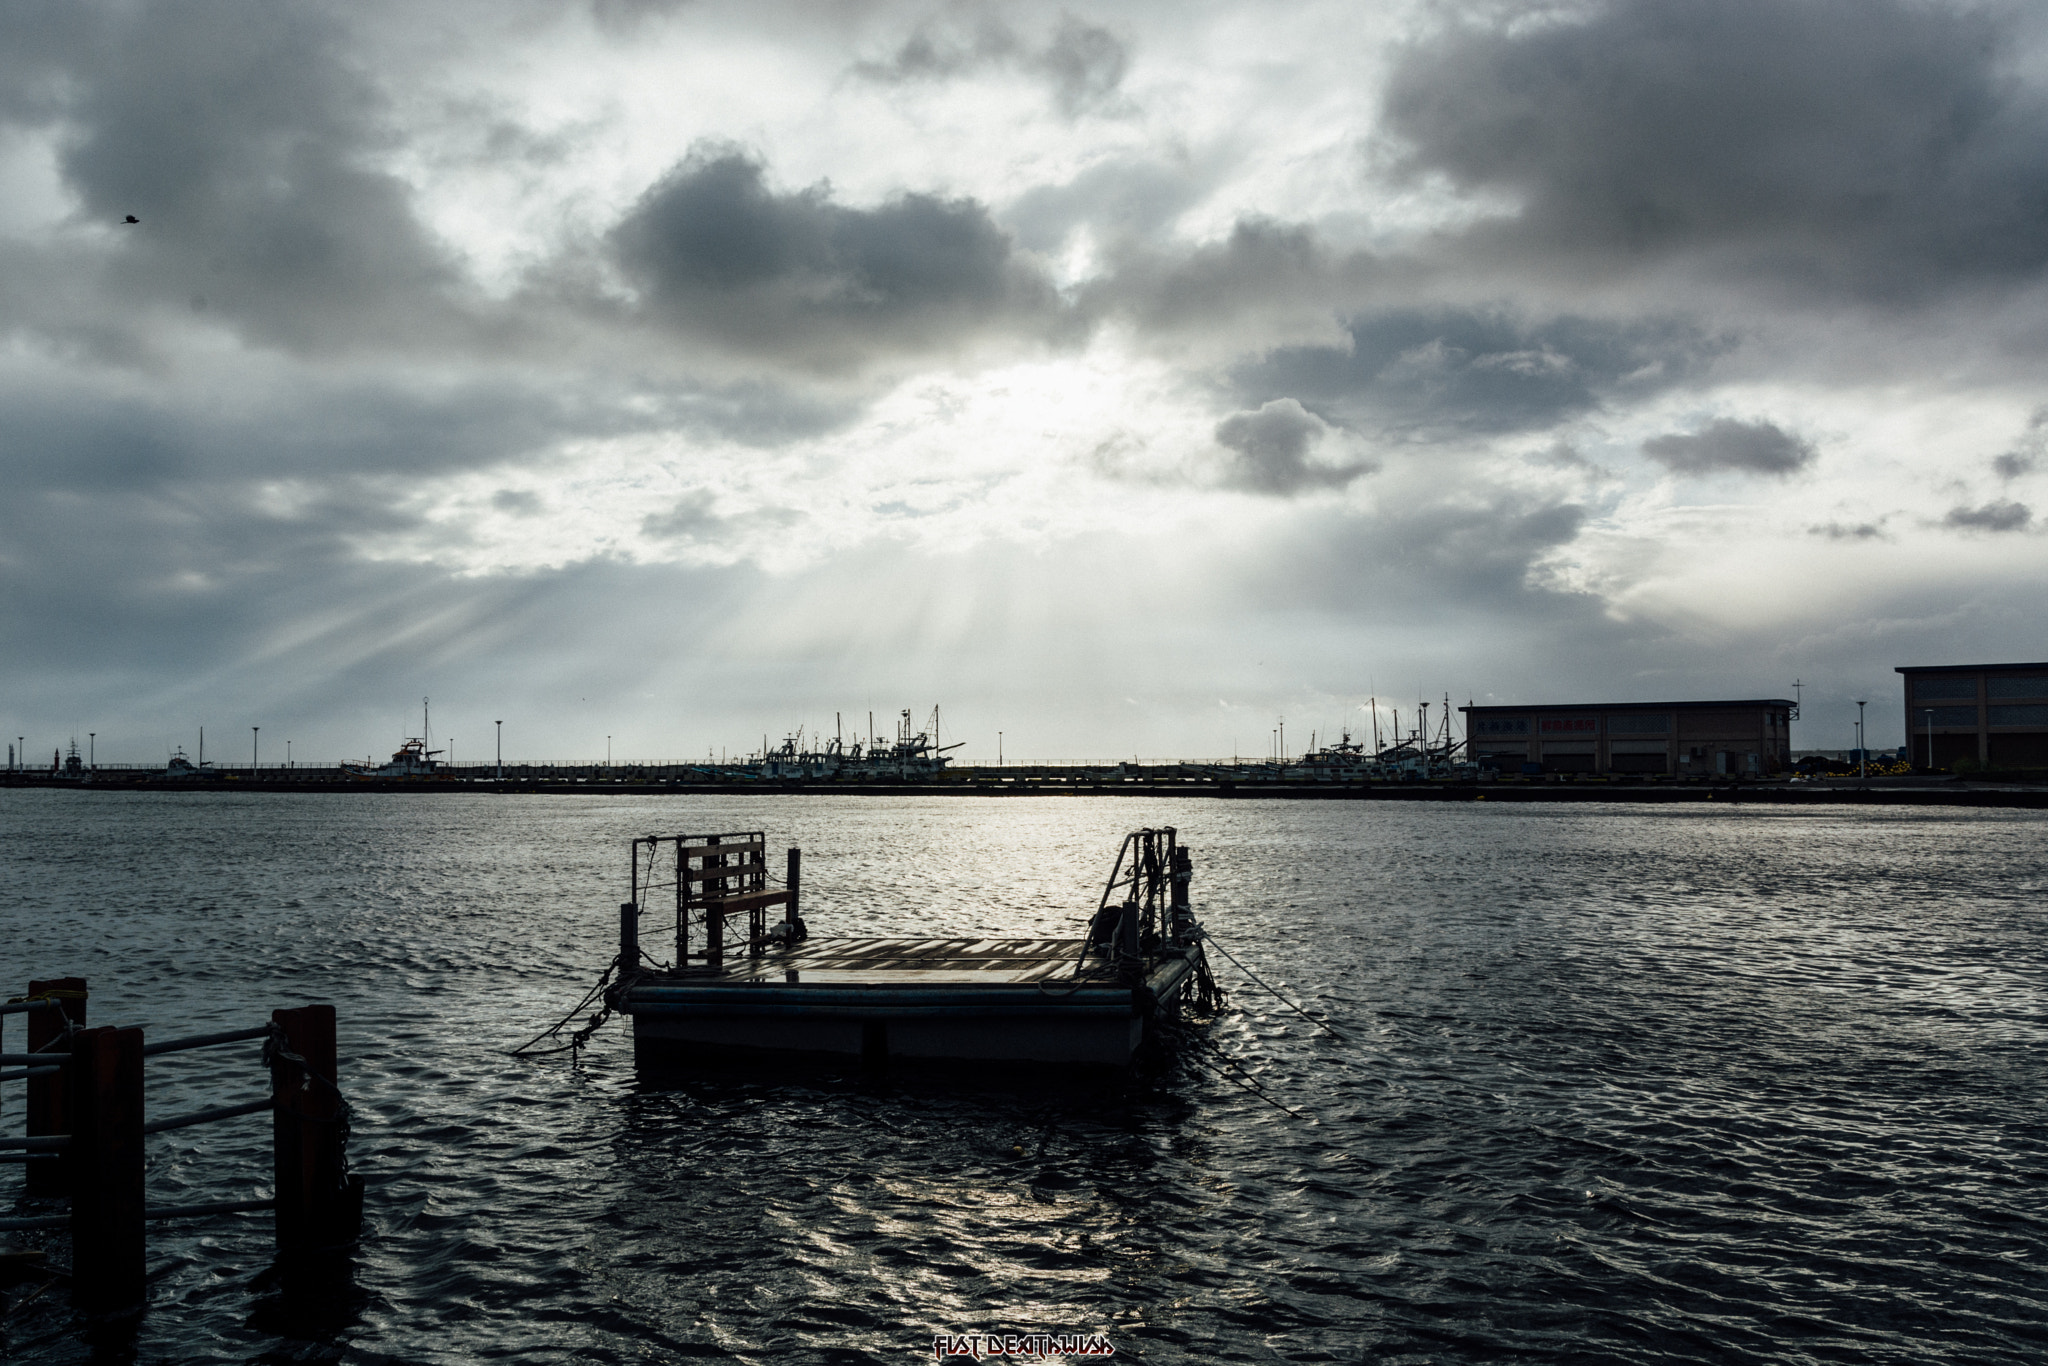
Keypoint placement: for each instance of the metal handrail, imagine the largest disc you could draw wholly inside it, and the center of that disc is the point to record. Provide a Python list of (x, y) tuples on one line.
[(150, 1050), (157, 1126), (38, 1143), (149, 1212)]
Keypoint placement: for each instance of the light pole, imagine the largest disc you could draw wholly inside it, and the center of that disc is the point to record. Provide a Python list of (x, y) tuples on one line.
[(607, 751), (287, 754), (999, 749), (91, 749), (1930, 739), (253, 751), (501, 749), (1862, 750)]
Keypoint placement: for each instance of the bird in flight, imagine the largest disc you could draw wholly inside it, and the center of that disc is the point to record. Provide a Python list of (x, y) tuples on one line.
[(131, 218)]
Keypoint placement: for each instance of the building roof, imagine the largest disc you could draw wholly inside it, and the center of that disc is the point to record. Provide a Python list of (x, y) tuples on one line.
[(1631, 706), (1961, 668)]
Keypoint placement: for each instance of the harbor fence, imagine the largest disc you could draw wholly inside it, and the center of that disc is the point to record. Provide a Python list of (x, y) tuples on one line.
[(86, 1125)]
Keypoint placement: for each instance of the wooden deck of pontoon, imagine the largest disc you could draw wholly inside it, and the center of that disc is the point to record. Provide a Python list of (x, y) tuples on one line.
[(873, 1001)]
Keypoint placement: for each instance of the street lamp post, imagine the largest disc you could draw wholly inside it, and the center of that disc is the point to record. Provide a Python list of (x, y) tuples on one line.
[(1862, 748), (1930, 739), (999, 749), (91, 750), (501, 749), (253, 751)]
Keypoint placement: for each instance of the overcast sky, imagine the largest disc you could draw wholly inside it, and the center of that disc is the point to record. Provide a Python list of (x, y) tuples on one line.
[(1122, 378)]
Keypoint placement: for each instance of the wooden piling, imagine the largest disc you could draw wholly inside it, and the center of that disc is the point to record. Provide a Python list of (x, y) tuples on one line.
[(104, 1102), (319, 1206), (48, 1112)]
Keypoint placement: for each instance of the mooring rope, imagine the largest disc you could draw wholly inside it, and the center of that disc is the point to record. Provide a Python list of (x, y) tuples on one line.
[(582, 1036), (1204, 933)]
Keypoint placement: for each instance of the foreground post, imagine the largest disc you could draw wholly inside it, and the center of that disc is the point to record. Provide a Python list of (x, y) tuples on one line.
[(105, 1161), (47, 1111), (319, 1205)]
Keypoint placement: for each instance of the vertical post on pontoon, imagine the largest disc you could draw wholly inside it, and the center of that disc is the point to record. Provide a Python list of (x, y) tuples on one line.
[(793, 878)]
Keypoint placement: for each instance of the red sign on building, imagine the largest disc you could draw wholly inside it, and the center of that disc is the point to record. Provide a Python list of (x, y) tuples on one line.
[(1569, 725)]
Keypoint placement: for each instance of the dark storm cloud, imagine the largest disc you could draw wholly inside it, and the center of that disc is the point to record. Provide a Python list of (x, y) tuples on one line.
[(83, 440), (718, 254), (1272, 448), (242, 137), (1263, 271), (1471, 560), (1727, 445), (1858, 531), (695, 518), (2000, 515), (1122, 198), (2025, 457), (1874, 146), (1084, 63), (1436, 371)]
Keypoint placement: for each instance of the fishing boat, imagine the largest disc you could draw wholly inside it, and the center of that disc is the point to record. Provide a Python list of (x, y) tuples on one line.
[(1422, 755), (739, 986), (912, 754), (412, 759), (181, 769)]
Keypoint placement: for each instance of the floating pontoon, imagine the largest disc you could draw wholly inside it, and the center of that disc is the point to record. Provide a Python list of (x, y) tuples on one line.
[(744, 987)]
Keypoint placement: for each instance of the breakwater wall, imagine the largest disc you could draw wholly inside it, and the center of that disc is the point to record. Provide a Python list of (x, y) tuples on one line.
[(1847, 792)]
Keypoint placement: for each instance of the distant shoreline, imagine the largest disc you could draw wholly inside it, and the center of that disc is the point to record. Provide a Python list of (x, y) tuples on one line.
[(1877, 792)]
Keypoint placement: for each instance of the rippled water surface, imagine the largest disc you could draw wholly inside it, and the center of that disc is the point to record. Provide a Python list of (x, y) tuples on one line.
[(1625, 1084)]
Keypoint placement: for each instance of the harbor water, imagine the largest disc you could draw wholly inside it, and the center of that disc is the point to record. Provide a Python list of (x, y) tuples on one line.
[(1644, 1084)]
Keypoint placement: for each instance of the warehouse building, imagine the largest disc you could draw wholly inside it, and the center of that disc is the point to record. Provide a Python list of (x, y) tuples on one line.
[(1996, 714), (1748, 737)]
